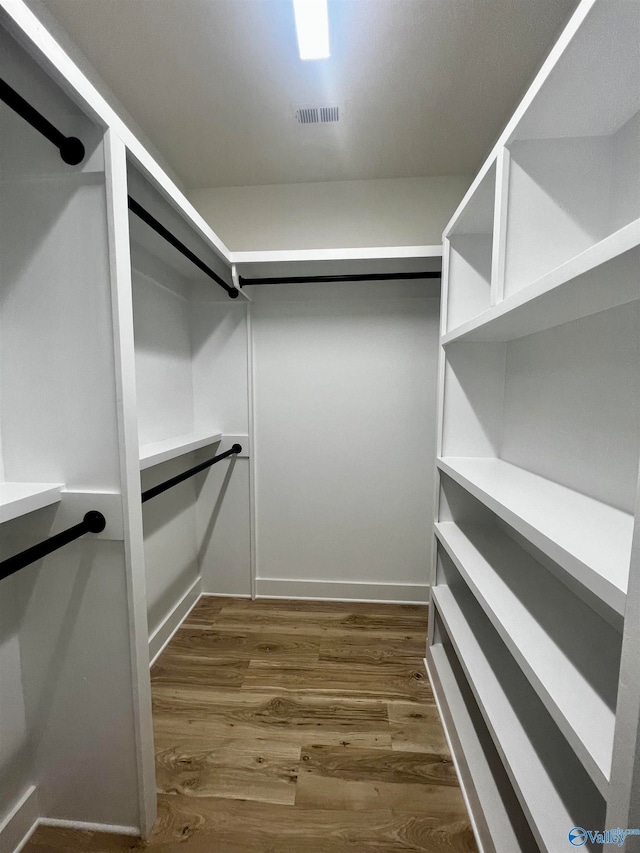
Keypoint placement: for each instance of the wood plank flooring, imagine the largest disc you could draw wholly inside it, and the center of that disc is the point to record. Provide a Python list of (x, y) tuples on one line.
[(295, 727)]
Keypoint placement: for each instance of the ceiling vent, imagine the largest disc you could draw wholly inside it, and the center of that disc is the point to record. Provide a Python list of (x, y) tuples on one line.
[(318, 115)]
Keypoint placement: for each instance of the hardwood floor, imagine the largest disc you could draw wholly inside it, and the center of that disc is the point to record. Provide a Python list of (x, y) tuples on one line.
[(295, 727)]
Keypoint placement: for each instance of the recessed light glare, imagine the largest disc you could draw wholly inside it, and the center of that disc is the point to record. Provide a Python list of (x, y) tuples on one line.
[(312, 28)]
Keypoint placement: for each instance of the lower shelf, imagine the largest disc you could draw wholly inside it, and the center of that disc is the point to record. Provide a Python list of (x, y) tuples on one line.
[(552, 786), (18, 499), (498, 818), (569, 654)]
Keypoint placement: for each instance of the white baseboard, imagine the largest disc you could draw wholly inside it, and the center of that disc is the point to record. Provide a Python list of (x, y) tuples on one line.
[(384, 593), (224, 595), (23, 820), (19, 825), (455, 750), (170, 624), (113, 828)]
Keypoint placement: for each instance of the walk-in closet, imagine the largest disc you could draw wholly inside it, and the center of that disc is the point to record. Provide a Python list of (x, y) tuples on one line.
[(320, 428)]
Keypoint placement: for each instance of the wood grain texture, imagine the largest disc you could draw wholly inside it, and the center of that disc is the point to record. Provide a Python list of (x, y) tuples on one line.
[(209, 825), (294, 718), (177, 668), (283, 727), (207, 643), (388, 681), (235, 768), (205, 612), (323, 792), (360, 650), (416, 729), (379, 765)]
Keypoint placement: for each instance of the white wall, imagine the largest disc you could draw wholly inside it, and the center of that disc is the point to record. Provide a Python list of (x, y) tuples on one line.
[(221, 395), (344, 390), (164, 384), (191, 372), (341, 214)]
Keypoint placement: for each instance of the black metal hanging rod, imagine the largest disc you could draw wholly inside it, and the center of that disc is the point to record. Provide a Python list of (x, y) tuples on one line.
[(70, 148), (174, 481), (159, 228), (309, 279), (93, 522)]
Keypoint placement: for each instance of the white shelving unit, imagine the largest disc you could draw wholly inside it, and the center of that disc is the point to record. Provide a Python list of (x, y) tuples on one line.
[(495, 807), (569, 654), (68, 621), (552, 788), (539, 446), (569, 292), (191, 387)]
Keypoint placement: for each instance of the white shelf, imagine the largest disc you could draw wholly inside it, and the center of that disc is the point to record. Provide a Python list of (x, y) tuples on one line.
[(470, 255), (601, 277), (477, 762), (171, 448), (569, 654), (587, 538), (18, 499), (554, 792)]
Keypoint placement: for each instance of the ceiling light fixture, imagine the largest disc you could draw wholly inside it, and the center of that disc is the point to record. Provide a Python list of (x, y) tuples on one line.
[(312, 28)]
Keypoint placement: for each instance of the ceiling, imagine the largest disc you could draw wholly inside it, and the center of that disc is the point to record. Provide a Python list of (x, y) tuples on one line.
[(425, 86)]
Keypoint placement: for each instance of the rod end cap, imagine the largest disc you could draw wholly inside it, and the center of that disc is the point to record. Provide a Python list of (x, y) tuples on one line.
[(237, 448), (72, 151), (95, 521)]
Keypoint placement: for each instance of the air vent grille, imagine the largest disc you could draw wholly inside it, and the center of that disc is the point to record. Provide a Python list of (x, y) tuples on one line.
[(317, 115)]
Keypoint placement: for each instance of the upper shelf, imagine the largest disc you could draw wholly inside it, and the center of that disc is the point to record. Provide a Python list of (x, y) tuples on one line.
[(410, 260), (587, 538), (601, 277), (18, 499), (161, 451)]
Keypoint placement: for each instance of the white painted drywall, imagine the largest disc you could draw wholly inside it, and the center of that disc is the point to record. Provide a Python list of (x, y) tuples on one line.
[(333, 215), (164, 384), (223, 516), (344, 390), (220, 381), (191, 374), (572, 404)]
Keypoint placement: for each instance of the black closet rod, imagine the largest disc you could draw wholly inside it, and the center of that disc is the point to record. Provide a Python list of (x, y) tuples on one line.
[(93, 522), (70, 148), (169, 484), (309, 279), (152, 222)]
